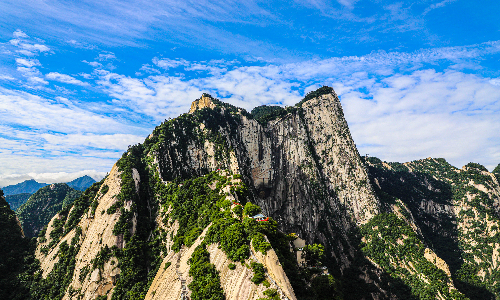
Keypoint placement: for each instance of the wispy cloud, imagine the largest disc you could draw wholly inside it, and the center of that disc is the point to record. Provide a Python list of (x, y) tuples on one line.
[(25, 109), (437, 5), (106, 56), (64, 78), (58, 136), (20, 34), (27, 62), (166, 63)]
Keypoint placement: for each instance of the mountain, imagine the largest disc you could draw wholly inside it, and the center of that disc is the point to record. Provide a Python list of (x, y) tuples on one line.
[(43, 205), (220, 203), (18, 194), (27, 186), (81, 183), (17, 200)]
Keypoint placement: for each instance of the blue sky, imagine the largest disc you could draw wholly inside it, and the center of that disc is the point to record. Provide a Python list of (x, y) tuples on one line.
[(82, 80)]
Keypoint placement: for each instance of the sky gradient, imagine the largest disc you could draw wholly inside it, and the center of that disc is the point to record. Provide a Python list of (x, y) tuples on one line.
[(82, 80)]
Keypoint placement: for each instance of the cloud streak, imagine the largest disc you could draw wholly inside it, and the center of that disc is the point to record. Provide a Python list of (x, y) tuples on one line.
[(64, 78)]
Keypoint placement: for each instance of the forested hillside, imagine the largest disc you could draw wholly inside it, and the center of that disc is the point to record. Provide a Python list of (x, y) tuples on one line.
[(43, 205), (457, 214)]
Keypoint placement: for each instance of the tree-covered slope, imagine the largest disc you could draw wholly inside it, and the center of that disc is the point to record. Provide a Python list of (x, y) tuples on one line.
[(43, 205), (457, 214), (17, 200)]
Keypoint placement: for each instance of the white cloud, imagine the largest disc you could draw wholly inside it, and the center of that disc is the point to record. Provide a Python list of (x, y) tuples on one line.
[(64, 78), (32, 111), (348, 3), (439, 114), (33, 75), (34, 47), (20, 34), (69, 142), (7, 77), (93, 64), (495, 81), (166, 63), (105, 56), (437, 5), (27, 62)]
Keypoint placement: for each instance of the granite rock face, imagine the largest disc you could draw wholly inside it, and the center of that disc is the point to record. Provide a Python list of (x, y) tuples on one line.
[(303, 169)]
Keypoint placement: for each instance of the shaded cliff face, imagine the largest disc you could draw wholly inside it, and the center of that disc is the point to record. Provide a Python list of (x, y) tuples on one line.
[(457, 212)]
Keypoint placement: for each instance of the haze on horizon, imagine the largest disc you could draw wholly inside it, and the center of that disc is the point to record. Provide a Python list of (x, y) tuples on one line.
[(82, 80)]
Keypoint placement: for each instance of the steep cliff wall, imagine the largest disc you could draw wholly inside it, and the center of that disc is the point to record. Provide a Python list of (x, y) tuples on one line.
[(302, 169)]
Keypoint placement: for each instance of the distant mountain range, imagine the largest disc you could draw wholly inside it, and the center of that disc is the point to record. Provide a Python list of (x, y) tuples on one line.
[(81, 183), (17, 194), (31, 186), (43, 205), (27, 186)]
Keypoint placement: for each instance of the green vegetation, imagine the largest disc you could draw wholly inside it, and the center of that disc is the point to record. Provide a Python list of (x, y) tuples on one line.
[(314, 254), (206, 279), (476, 166), (313, 94), (468, 248), (259, 273), (264, 114), (271, 294), (496, 171), (57, 281), (251, 209), (393, 245), (14, 249), (17, 200), (260, 244), (43, 205), (81, 205)]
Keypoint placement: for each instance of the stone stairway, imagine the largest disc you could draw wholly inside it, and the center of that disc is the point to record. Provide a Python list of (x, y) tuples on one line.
[(184, 290)]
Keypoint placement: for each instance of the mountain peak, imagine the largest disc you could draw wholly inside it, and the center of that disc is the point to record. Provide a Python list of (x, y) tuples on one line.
[(81, 183), (204, 101)]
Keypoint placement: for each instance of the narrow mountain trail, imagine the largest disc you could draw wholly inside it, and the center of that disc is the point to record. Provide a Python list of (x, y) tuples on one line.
[(184, 290)]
